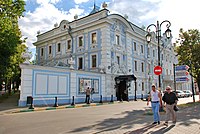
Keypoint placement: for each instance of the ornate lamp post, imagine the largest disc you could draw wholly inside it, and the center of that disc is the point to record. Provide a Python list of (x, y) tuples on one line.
[(158, 36)]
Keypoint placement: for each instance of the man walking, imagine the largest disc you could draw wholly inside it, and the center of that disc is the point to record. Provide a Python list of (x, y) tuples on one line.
[(171, 100), (156, 102), (87, 98)]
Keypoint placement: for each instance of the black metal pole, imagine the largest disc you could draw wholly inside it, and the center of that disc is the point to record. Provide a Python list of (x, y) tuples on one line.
[(111, 98), (135, 91), (73, 102), (159, 35), (100, 99), (56, 102), (31, 106), (192, 84)]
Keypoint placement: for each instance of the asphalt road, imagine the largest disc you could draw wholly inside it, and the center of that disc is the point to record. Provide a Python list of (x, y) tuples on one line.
[(113, 118)]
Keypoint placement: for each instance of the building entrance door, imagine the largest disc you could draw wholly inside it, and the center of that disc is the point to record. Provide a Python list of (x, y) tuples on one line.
[(122, 91)]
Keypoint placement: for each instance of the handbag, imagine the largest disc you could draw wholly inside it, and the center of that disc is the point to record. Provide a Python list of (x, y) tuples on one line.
[(176, 108)]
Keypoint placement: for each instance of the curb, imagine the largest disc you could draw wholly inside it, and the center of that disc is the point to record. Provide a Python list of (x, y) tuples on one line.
[(62, 107)]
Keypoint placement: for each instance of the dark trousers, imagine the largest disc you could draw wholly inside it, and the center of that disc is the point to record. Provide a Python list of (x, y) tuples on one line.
[(87, 99)]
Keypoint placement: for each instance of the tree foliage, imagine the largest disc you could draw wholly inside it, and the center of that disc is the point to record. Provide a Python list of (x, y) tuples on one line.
[(10, 34), (188, 51)]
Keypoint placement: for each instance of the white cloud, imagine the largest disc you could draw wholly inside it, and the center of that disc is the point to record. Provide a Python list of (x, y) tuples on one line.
[(181, 13), (135, 10), (47, 1), (80, 1), (43, 18)]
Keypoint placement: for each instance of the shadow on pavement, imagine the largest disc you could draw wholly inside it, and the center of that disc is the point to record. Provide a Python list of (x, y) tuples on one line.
[(10, 103), (133, 119), (126, 122), (140, 130)]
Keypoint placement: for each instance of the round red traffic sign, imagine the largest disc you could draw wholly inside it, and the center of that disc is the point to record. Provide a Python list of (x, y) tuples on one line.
[(157, 70)]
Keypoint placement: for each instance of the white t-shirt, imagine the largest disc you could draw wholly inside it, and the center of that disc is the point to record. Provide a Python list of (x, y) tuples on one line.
[(154, 96)]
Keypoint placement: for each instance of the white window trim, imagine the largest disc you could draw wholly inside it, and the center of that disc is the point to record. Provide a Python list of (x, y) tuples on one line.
[(78, 62), (116, 40), (78, 42), (67, 45), (41, 51), (135, 46), (91, 38), (135, 66), (51, 50), (96, 60), (57, 48), (142, 49)]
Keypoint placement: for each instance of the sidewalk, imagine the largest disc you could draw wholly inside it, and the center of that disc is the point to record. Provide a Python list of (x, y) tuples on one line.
[(188, 122)]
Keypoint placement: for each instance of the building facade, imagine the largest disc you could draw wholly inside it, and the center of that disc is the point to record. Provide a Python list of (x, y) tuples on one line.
[(109, 45)]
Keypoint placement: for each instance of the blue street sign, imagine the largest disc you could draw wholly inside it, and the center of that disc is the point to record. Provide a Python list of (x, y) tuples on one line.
[(183, 79), (182, 67)]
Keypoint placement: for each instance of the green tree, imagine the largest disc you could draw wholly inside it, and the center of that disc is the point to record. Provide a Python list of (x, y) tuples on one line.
[(188, 51), (10, 34)]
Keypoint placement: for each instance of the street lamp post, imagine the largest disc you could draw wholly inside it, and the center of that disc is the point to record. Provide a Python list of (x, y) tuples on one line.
[(158, 36)]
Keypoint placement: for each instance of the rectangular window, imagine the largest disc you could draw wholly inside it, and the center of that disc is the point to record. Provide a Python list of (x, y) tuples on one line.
[(153, 53), (49, 49), (142, 49), (135, 65), (118, 60), (69, 44), (142, 64), (94, 61), (112, 54), (42, 51), (142, 86), (94, 38), (80, 63), (88, 82), (117, 39), (135, 46), (149, 68), (124, 58), (58, 47), (148, 51), (80, 41)]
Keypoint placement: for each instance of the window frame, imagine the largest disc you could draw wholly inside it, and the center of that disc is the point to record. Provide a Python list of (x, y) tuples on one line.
[(92, 62), (117, 39), (59, 47), (80, 41), (42, 52), (69, 44), (92, 38), (80, 65), (50, 49), (135, 65), (135, 46)]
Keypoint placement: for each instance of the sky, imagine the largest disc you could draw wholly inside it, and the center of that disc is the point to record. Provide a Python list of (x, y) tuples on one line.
[(41, 15)]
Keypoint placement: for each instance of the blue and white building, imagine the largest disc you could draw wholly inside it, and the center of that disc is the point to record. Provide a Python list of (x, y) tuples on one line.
[(100, 47)]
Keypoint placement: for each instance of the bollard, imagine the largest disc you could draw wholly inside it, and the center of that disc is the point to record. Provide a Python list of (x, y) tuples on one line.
[(31, 106), (100, 99), (73, 103), (141, 96), (56, 102), (111, 98)]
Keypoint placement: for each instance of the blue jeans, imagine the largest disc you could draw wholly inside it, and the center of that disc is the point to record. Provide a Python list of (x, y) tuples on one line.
[(155, 110)]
